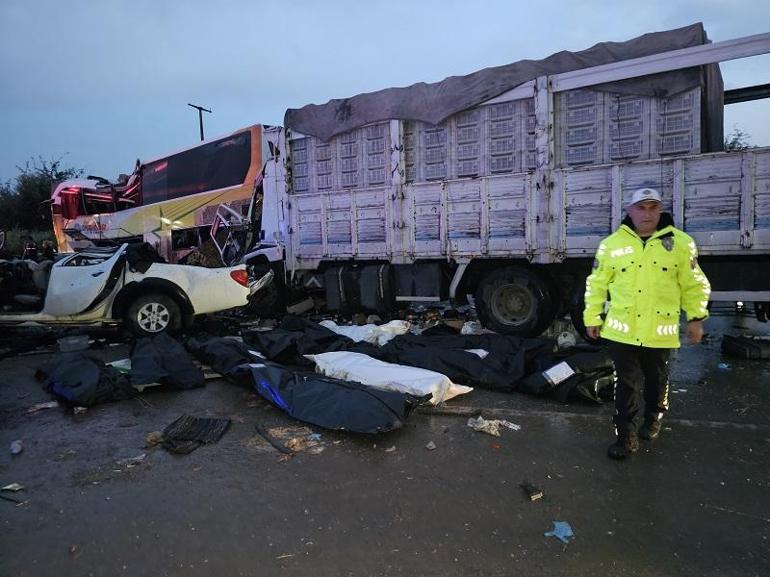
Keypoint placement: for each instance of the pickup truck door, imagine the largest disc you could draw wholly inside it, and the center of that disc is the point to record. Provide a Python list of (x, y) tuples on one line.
[(81, 281)]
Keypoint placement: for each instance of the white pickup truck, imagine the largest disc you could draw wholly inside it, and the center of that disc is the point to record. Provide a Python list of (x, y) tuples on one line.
[(118, 285)]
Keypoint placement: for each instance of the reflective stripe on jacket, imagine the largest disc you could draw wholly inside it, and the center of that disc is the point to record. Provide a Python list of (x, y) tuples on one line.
[(648, 284)]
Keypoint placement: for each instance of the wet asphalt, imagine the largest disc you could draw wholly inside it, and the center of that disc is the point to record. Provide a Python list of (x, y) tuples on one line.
[(694, 502)]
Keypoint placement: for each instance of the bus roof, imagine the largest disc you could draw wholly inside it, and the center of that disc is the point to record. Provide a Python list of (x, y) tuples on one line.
[(202, 143)]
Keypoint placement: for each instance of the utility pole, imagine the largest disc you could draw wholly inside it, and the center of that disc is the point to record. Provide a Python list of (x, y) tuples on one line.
[(200, 110)]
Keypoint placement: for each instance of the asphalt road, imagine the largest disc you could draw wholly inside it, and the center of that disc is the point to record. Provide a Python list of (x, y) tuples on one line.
[(695, 502)]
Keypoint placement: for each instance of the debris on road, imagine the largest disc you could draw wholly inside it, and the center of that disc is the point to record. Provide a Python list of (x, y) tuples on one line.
[(14, 487), (270, 439), (565, 340), (301, 307), (532, 492), (472, 328), (746, 346), (292, 440), (131, 462), (153, 439), (491, 427), (188, 433), (561, 530), (430, 446), (299, 444), (16, 447), (42, 406)]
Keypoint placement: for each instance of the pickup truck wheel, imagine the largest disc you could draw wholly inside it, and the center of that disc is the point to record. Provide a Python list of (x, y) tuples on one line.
[(152, 314), (515, 301)]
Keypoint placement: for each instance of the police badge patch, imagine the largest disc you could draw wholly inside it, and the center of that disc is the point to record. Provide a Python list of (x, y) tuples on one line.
[(668, 243)]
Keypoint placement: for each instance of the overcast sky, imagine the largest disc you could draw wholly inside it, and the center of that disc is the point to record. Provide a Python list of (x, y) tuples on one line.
[(101, 83)]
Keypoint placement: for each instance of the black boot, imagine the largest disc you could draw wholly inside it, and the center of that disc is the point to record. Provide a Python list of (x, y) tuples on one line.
[(626, 443), (651, 428)]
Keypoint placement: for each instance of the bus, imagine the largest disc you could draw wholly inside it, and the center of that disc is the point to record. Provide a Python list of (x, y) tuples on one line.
[(169, 202)]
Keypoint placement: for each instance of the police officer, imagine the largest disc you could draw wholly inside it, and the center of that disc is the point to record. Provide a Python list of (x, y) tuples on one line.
[(650, 271)]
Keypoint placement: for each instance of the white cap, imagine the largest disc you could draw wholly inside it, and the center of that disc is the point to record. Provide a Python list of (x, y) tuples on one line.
[(644, 194)]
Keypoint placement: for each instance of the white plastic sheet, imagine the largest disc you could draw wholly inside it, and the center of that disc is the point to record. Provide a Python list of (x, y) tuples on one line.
[(366, 370), (481, 353), (374, 334), (491, 427)]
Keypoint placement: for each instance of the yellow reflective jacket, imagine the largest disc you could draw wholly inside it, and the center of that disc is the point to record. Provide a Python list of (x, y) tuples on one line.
[(648, 284)]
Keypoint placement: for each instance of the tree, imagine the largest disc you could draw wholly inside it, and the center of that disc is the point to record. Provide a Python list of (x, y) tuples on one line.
[(20, 201), (737, 140)]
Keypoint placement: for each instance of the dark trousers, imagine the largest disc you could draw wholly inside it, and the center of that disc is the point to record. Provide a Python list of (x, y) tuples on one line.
[(642, 375)]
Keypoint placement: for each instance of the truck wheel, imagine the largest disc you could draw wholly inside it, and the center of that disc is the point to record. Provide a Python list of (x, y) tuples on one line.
[(152, 314), (515, 301)]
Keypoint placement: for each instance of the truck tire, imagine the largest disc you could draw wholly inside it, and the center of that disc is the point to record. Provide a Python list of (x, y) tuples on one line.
[(515, 301), (151, 314)]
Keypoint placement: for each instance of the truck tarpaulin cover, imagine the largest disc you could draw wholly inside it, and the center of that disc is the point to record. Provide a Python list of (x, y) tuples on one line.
[(432, 103)]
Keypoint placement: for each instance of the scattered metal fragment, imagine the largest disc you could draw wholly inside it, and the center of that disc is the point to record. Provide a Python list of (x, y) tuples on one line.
[(132, 462), (532, 492), (41, 406)]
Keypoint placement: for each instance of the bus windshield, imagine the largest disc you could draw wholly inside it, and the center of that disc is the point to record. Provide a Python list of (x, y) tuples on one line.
[(215, 165)]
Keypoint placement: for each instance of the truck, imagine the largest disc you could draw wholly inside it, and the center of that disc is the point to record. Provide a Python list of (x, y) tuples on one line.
[(500, 184)]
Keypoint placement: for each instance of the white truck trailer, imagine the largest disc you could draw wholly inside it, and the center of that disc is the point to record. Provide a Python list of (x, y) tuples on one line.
[(500, 184)]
